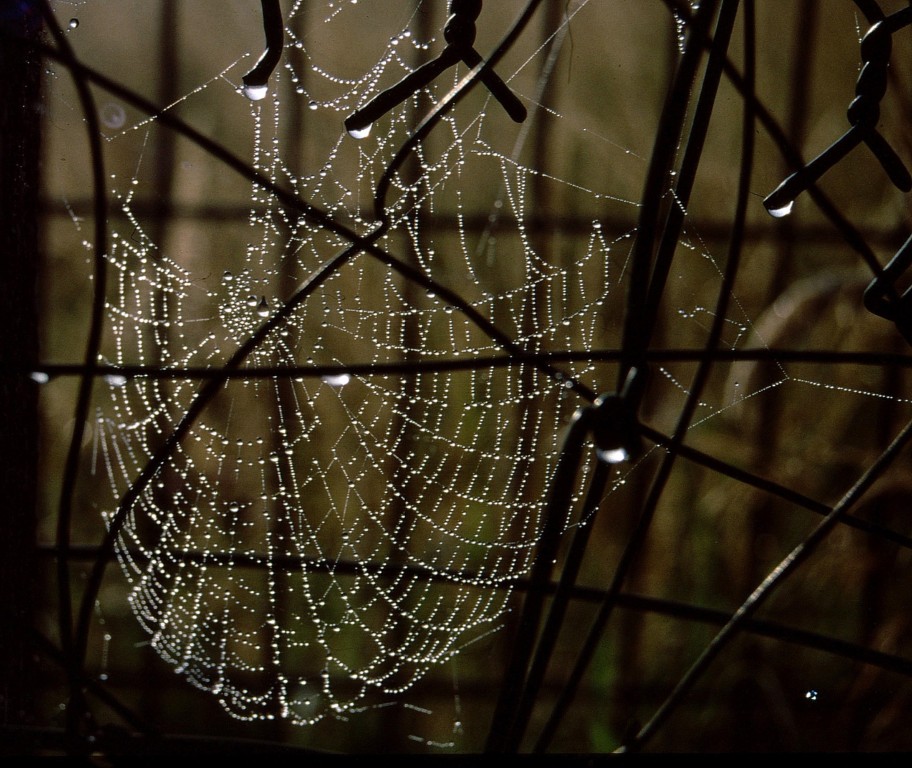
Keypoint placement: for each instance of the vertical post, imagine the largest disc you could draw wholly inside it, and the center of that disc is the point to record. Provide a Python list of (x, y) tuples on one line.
[(20, 105)]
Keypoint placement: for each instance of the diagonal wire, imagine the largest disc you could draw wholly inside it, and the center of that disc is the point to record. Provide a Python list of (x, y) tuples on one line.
[(508, 705), (772, 582), (634, 340), (725, 24)]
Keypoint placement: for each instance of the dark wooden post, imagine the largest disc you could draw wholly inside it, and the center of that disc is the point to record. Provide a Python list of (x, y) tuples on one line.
[(20, 122)]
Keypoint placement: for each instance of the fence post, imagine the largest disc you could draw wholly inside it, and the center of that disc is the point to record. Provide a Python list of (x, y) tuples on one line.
[(20, 124)]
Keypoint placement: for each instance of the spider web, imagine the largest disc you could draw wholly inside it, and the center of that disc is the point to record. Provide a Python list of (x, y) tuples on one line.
[(326, 534), (359, 527)]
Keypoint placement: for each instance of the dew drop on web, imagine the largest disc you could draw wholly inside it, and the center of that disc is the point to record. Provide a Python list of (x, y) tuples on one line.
[(337, 380), (613, 455)]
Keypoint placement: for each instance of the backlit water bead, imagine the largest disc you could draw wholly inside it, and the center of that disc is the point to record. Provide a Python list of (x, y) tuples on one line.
[(782, 211), (360, 133), (255, 92), (337, 380)]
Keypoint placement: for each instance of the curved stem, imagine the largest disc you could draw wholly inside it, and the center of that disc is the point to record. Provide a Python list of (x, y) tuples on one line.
[(674, 112), (724, 27), (93, 344), (561, 489)]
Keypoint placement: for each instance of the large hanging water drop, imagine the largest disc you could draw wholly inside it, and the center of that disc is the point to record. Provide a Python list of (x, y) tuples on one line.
[(360, 133), (782, 210), (255, 92)]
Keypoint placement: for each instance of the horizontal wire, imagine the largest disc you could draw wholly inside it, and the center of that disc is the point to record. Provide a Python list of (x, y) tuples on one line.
[(709, 230), (764, 354)]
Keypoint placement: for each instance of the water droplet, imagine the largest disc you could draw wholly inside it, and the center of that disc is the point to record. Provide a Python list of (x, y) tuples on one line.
[(255, 92), (783, 210), (359, 133), (74, 22), (227, 277), (811, 695), (337, 379), (613, 455), (115, 379), (252, 301), (313, 105), (39, 377), (263, 308), (113, 115)]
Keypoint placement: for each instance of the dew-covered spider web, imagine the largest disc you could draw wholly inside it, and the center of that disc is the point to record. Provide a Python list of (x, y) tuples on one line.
[(386, 513), (348, 511)]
